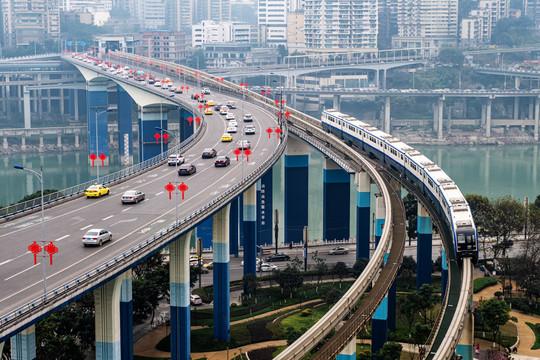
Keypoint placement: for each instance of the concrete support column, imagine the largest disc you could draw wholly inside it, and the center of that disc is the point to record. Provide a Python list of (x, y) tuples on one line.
[(531, 108), (19, 96), (444, 274), (440, 118), (220, 239), (464, 346), (424, 247), (23, 345), (336, 101), (59, 140), (536, 117), (5, 143), (126, 316), (380, 210), (76, 104), (235, 225), (107, 319), (435, 117), (62, 102), (296, 190), (77, 140), (377, 80), (98, 142), (180, 302), (387, 114), (23, 142), (488, 118), (384, 79), (26, 107), (516, 108), (250, 233), (151, 117), (336, 197), (264, 210), (483, 115), (1, 348), (379, 327), (363, 195), (41, 142), (349, 352), (517, 83)]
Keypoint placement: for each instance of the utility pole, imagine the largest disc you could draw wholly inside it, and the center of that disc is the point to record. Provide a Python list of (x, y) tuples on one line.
[(199, 255), (276, 229), (306, 233)]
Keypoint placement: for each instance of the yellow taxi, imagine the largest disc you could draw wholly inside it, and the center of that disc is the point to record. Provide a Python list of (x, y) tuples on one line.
[(208, 111), (210, 102), (226, 137), (97, 191)]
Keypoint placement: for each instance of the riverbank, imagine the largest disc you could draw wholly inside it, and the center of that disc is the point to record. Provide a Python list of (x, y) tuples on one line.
[(463, 137)]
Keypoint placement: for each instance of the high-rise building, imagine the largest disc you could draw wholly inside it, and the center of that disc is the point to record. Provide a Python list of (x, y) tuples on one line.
[(532, 9), (151, 14), (272, 18), (163, 45), (26, 21), (209, 31), (425, 23), (185, 13), (341, 24), (478, 26)]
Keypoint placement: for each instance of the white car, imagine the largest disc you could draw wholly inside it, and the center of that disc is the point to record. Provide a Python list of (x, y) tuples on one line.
[(175, 159), (258, 261), (96, 237), (268, 267), (229, 116), (248, 117), (244, 144), (249, 130), (232, 123), (231, 129), (195, 299)]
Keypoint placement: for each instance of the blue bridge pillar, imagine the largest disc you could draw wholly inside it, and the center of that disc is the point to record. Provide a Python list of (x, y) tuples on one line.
[(264, 210), (126, 316), (108, 318), (349, 352), (363, 195), (235, 225), (180, 302), (220, 238), (336, 197), (23, 345), (250, 233), (150, 117), (379, 327), (97, 104), (444, 275), (186, 130), (424, 247), (125, 133), (296, 189), (380, 210)]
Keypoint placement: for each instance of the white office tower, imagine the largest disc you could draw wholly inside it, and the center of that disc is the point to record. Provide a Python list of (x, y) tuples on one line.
[(272, 17), (477, 28), (341, 24), (151, 14), (532, 10), (425, 23), (209, 31), (185, 13), (27, 21)]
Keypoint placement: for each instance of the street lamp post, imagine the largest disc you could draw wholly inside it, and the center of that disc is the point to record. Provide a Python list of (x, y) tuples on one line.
[(98, 113), (175, 164), (39, 175)]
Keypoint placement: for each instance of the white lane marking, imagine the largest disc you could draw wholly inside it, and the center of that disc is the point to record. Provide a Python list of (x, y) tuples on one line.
[(15, 258), (159, 193), (107, 218), (5, 262), (124, 221), (126, 209), (19, 273), (62, 238), (86, 227), (152, 175)]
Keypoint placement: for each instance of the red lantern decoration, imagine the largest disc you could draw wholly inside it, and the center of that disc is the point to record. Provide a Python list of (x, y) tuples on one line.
[(170, 188), (269, 131), (198, 120), (277, 102), (200, 107), (190, 119), (183, 188), (102, 157), (35, 249), (278, 131), (237, 152), (51, 249), (247, 152), (287, 113), (165, 137), (187, 88), (92, 157)]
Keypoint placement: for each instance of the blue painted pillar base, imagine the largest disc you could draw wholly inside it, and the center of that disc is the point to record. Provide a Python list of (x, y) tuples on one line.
[(444, 275), (126, 317), (363, 194), (180, 334), (379, 327), (125, 128), (23, 345), (349, 353), (107, 319), (204, 231), (221, 275), (296, 190), (264, 211), (336, 187), (151, 117), (465, 350), (424, 248), (185, 129), (379, 218), (234, 227), (250, 233)]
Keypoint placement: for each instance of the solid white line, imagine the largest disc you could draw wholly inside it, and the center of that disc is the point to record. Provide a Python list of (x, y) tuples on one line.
[(5, 262), (159, 193), (86, 227), (62, 238), (19, 273), (126, 209), (107, 218)]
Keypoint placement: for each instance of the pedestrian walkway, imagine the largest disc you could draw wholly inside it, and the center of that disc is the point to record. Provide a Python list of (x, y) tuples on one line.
[(525, 334)]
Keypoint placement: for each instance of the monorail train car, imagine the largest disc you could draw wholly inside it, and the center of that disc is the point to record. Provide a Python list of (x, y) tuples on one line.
[(430, 179)]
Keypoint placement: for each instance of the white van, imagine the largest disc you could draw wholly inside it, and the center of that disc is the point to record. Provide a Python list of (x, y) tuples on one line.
[(231, 104)]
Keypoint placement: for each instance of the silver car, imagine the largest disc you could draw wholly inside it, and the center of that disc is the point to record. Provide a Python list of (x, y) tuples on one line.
[(132, 196), (96, 237), (338, 251)]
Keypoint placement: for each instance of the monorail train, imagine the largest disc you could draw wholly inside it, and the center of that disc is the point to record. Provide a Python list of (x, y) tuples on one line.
[(431, 180)]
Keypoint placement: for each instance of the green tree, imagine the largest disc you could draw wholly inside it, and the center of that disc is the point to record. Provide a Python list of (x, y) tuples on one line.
[(282, 51), (411, 213), (321, 268), (408, 271), (451, 56), (359, 266), (391, 351), (340, 269), (514, 32), (420, 335), (506, 218), (481, 208), (409, 306), (495, 313), (427, 300), (330, 294), (289, 279), (251, 283)]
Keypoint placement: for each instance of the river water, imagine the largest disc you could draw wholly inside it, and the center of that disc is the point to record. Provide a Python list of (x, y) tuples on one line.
[(488, 170)]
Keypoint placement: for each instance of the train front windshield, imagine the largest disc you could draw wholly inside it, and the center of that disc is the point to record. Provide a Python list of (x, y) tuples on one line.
[(466, 240)]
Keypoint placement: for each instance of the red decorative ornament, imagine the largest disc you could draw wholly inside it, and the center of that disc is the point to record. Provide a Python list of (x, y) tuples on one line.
[(246, 85), (202, 96), (277, 102), (287, 113), (35, 249), (263, 92), (170, 188), (102, 157), (269, 131), (157, 136), (165, 137), (221, 79), (247, 152), (183, 188), (241, 84), (206, 106), (237, 152), (187, 88), (51, 249), (278, 131), (283, 101), (93, 157), (190, 119), (182, 88), (200, 107), (198, 120)]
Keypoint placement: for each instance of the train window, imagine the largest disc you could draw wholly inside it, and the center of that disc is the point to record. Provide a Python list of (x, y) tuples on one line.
[(430, 183)]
